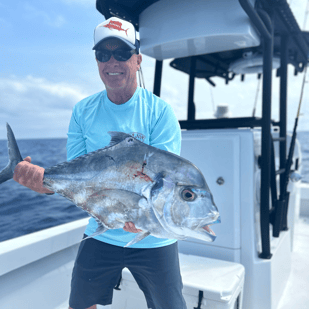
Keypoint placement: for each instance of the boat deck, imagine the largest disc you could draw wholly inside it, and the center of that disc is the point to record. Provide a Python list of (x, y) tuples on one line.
[(296, 292)]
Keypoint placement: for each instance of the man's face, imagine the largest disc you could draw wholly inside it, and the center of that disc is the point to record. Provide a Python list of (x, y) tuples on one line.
[(119, 75)]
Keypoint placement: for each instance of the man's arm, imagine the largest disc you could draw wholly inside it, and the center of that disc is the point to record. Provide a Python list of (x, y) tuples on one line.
[(31, 176), (166, 133), (76, 145)]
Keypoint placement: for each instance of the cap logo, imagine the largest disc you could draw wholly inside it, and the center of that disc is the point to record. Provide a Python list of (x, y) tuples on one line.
[(115, 25), (111, 47)]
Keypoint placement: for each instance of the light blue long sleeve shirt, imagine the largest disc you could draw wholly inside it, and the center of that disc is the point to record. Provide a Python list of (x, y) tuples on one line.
[(146, 117)]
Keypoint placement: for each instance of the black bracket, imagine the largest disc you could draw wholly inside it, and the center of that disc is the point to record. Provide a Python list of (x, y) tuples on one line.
[(278, 218), (284, 226), (118, 284), (200, 298)]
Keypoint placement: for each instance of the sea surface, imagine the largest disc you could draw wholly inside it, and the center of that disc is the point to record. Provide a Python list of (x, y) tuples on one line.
[(23, 211)]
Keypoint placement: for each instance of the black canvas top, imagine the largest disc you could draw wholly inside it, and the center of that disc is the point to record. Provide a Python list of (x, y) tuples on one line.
[(217, 64)]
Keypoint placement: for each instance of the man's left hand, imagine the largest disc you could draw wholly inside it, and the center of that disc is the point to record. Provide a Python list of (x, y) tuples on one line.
[(130, 227)]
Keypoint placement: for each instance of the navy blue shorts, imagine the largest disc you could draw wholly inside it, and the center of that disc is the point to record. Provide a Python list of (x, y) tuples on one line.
[(98, 268)]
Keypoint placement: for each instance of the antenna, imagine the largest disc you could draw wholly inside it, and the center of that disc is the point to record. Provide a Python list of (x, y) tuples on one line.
[(212, 99), (302, 88), (256, 97), (290, 3), (306, 15), (141, 78)]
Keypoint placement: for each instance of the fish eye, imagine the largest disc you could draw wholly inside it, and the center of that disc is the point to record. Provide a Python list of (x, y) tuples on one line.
[(188, 195), (130, 140)]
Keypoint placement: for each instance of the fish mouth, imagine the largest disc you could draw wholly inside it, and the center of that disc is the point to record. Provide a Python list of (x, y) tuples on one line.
[(208, 230)]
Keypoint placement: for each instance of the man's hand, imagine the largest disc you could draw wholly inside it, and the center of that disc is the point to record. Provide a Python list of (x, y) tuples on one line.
[(30, 176), (130, 227)]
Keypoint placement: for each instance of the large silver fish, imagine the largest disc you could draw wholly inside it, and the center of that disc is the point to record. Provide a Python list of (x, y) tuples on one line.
[(163, 194)]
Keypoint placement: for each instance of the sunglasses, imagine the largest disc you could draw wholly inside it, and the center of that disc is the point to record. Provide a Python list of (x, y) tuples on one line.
[(103, 55)]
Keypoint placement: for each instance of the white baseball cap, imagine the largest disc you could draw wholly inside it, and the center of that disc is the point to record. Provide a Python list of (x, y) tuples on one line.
[(116, 28)]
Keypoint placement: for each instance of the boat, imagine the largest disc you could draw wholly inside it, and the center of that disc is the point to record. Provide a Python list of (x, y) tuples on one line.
[(252, 166)]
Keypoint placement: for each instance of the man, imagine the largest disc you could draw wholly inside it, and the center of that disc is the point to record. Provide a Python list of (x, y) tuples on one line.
[(127, 108)]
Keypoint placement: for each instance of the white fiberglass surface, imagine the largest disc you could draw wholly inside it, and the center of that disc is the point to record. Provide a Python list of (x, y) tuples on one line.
[(296, 292), (179, 28), (216, 154)]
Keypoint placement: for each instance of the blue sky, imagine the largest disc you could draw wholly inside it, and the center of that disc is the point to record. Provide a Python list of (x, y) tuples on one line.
[(46, 62), (47, 66)]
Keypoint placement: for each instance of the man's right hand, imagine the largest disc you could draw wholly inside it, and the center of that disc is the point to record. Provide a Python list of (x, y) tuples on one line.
[(30, 176)]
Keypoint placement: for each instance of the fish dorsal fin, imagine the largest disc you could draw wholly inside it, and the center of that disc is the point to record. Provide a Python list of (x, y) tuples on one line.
[(117, 137)]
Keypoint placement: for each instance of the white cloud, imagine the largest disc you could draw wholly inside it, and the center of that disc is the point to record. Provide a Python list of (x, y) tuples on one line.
[(37, 105), (39, 91), (50, 19)]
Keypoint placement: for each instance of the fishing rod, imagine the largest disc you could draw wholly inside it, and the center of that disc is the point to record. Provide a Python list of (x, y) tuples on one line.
[(280, 223), (281, 216), (292, 146)]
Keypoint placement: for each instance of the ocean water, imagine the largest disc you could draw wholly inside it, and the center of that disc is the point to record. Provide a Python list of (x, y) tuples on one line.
[(23, 211)]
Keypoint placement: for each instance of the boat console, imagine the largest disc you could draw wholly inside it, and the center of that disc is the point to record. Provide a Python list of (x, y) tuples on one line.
[(245, 160)]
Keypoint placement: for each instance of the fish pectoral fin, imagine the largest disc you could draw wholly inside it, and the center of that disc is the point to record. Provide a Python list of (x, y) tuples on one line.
[(155, 185), (137, 238), (100, 230), (146, 191)]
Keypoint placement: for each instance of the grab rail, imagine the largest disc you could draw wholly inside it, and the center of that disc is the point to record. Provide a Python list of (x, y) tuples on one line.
[(264, 26)]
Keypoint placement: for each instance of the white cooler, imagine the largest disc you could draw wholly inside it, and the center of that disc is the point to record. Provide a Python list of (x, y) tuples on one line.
[(208, 283)]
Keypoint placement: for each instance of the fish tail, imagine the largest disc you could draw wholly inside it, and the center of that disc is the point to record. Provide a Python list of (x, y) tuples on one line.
[(14, 156)]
